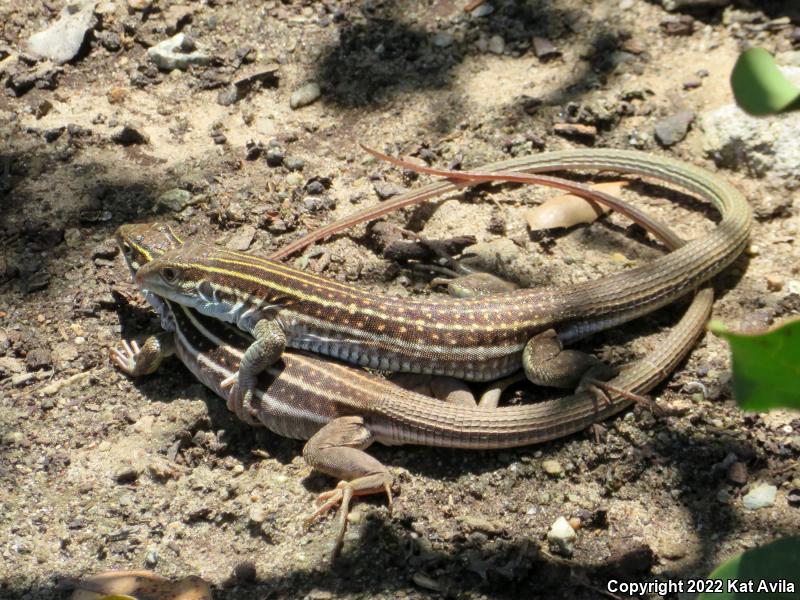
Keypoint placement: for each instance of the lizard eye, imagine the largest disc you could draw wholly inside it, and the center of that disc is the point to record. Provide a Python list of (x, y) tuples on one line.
[(207, 291), (126, 249), (169, 274)]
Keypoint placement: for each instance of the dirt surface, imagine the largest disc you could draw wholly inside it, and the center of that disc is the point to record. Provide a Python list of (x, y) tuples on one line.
[(100, 472)]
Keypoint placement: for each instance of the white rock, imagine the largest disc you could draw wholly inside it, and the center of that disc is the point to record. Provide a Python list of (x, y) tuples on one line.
[(561, 537), (760, 145), (178, 52), (61, 41), (760, 496)]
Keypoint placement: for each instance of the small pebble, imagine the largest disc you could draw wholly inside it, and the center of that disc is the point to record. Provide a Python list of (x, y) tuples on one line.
[(41, 108), (242, 238), (294, 179), (293, 163), (151, 559), (177, 52), (496, 44), (176, 199), (257, 515), (315, 187), (737, 473), (386, 190), (483, 10), (442, 39), (552, 468), (275, 156), (561, 537), (253, 150), (305, 95), (760, 496), (116, 95), (63, 39), (673, 129), (774, 283), (544, 49), (72, 237)]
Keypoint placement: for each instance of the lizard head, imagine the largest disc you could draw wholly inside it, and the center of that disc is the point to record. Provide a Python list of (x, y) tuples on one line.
[(182, 275), (142, 242)]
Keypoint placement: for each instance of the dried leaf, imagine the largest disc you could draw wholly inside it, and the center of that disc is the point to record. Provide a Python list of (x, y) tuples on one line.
[(115, 585), (567, 210)]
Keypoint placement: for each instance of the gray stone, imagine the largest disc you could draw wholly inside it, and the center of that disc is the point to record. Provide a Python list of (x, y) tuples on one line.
[(63, 39), (386, 190), (442, 39), (673, 129), (483, 10), (760, 496), (178, 52), (294, 163), (760, 146), (242, 238), (305, 95), (176, 199), (497, 44)]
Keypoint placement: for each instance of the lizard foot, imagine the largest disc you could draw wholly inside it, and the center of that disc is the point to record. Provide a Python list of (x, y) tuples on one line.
[(240, 402), (341, 496), (601, 389), (124, 356)]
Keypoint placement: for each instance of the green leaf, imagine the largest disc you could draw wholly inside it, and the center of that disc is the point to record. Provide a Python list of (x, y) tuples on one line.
[(759, 86), (773, 563), (766, 367)]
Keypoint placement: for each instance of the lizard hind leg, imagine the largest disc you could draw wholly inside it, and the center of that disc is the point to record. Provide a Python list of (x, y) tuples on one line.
[(338, 450)]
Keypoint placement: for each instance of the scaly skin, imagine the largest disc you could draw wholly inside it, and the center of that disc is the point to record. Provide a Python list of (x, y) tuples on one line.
[(343, 410), (476, 340)]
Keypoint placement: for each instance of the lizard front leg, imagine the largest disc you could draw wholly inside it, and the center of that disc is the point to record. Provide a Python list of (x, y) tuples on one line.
[(136, 360), (338, 450), (266, 350)]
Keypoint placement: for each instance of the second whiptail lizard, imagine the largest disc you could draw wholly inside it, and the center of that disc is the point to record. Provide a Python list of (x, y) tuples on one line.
[(342, 410)]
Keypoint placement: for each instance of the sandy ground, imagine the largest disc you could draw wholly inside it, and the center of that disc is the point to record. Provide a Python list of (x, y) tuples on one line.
[(102, 472)]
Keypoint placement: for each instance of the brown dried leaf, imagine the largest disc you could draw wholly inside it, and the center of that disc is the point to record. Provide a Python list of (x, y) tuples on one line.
[(567, 210), (140, 584)]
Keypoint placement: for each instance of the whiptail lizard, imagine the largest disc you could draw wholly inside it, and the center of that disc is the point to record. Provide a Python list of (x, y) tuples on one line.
[(342, 410), (477, 340)]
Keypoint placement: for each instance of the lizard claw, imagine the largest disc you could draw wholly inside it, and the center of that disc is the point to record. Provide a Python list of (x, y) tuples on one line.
[(124, 356), (341, 495), (229, 381), (240, 402)]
